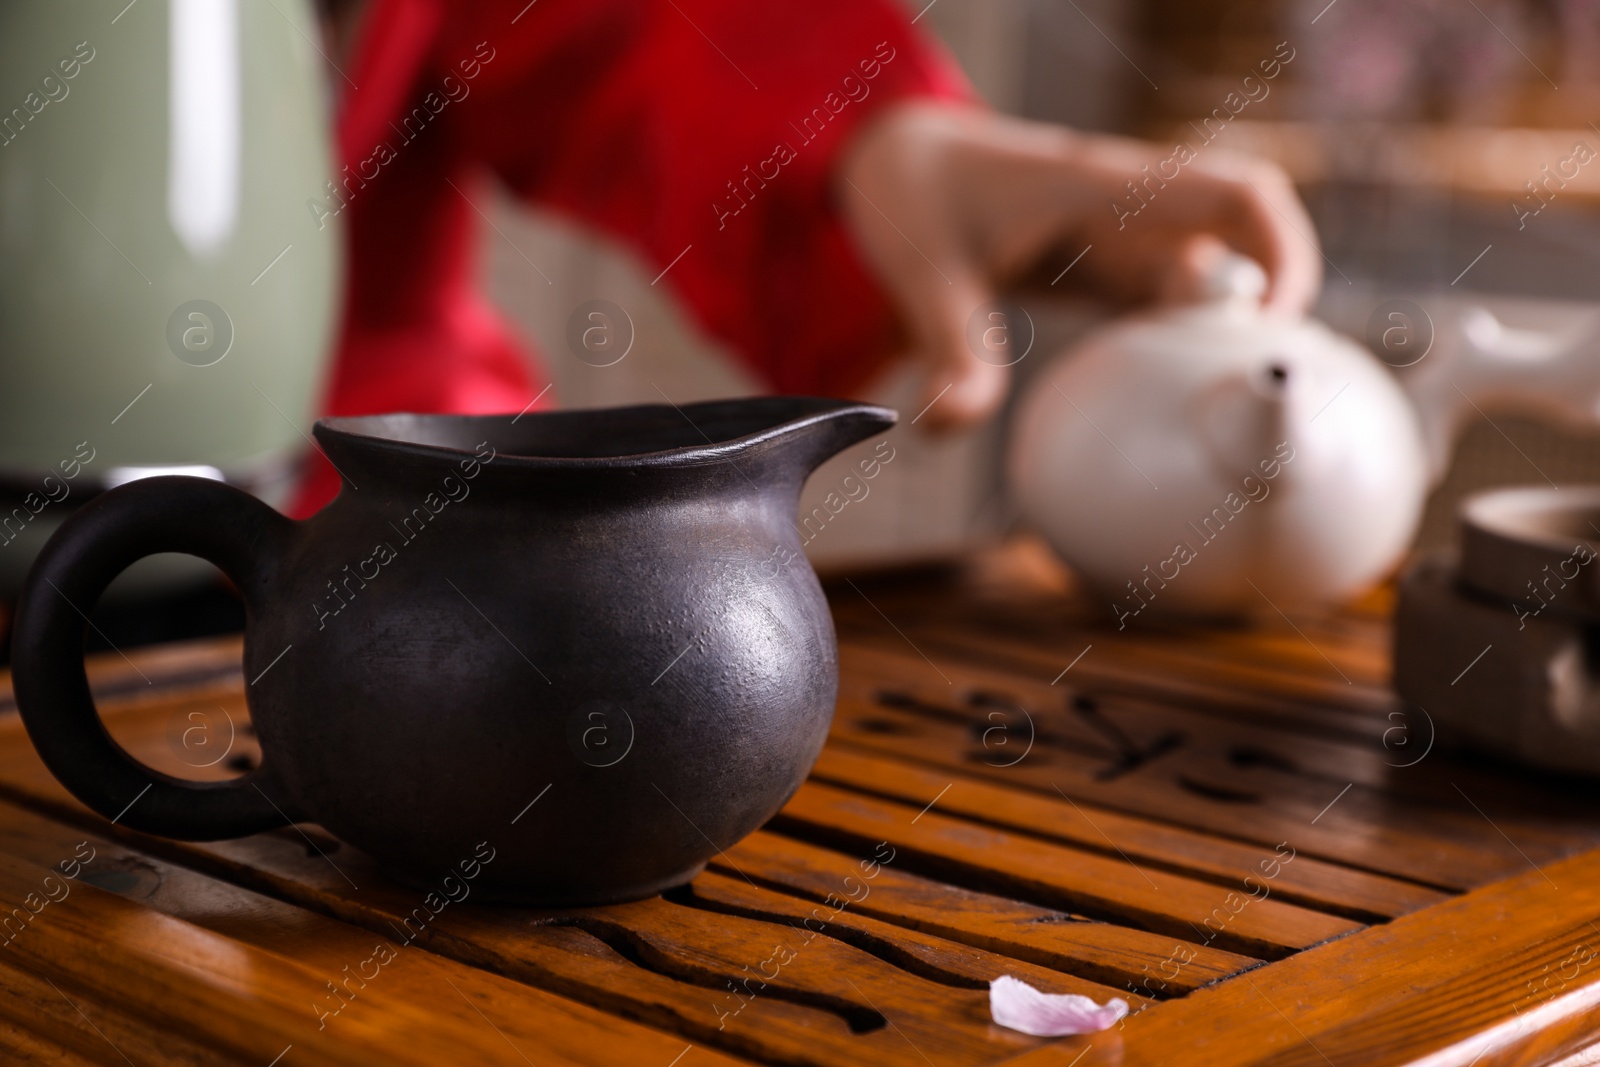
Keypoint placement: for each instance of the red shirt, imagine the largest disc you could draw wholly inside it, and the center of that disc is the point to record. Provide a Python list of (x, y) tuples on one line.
[(699, 133)]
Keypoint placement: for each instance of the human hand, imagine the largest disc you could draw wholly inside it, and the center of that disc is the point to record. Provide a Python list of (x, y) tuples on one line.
[(948, 202)]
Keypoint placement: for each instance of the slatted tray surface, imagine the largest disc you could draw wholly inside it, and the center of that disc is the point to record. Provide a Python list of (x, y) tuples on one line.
[(1241, 832)]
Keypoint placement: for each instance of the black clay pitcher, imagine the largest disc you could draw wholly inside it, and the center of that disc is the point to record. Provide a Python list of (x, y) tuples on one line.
[(585, 643)]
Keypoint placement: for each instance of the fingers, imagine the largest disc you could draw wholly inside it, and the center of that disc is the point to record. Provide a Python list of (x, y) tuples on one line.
[(943, 201), (961, 343), (903, 209), (969, 394), (1168, 266), (965, 363), (937, 296), (1185, 280), (1294, 259), (1261, 216), (1249, 204)]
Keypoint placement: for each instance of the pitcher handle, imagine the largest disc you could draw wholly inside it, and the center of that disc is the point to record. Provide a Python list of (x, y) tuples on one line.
[(220, 524)]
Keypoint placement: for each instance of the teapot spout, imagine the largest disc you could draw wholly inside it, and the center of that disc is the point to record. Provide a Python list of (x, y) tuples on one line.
[(1244, 418)]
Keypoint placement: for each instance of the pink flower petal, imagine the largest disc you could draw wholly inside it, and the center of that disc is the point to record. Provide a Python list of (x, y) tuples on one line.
[(1017, 1005)]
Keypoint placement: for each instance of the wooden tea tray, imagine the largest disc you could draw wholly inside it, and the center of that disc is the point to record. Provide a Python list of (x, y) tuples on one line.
[(1240, 832)]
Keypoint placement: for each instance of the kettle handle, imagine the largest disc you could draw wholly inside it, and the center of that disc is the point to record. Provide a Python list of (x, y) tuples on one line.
[(218, 523)]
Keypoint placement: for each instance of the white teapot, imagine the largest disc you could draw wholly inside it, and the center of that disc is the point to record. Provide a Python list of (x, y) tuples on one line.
[(1216, 461)]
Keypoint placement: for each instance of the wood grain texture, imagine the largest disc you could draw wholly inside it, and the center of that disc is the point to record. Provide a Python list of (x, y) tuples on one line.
[(1505, 974), (1107, 953), (1262, 784), (663, 963), (247, 1004), (1027, 615), (1116, 890), (417, 983), (672, 965), (24, 1047), (89, 1030), (218, 955), (949, 963), (1309, 881), (157, 671), (980, 809)]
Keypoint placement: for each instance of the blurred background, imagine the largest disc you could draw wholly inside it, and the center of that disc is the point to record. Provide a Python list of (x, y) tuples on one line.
[(1413, 129), (1410, 128)]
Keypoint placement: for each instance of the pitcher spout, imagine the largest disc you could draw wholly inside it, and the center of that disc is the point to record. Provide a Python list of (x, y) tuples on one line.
[(818, 429)]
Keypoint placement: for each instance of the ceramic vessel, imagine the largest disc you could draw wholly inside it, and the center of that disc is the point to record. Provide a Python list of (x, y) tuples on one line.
[(166, 296), (1494, 645), (1213, 460), (1530, 548), (588, 641)]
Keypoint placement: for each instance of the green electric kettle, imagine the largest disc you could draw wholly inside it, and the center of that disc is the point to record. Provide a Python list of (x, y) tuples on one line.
[(166, 296)]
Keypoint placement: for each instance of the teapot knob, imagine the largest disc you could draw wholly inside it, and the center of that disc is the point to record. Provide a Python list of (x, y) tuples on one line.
[(1236, 280)]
